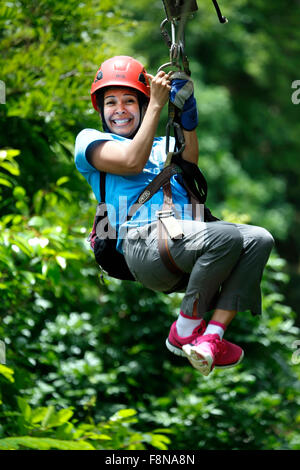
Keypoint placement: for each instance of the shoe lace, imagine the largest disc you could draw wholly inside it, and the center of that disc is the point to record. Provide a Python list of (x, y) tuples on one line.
[(218, 345), (202, 328)]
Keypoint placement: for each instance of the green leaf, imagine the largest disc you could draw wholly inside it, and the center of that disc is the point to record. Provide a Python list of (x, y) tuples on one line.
[(158, 443), (42, 443), (25, 408), (7, 219), (7, 373), (100, 437), (19, 192), (38, 200), (37, 221), (22, 244), (5, 182), (48, 416), (11, 167), (10, 153), (61, 417), (38, 414), (127, 413), (163, 430), (17, 219), (62, 180)]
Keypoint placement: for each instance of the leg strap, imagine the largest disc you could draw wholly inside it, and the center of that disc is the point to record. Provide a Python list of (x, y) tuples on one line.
[(168, 226)]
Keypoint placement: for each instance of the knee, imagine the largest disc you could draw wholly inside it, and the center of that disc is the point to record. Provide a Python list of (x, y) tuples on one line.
[(264, 239)]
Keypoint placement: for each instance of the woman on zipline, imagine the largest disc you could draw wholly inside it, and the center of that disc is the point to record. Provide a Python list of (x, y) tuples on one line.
[(225, 261)]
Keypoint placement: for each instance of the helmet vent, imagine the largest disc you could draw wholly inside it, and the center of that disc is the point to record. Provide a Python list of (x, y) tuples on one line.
[(99, 76), (142, 79)]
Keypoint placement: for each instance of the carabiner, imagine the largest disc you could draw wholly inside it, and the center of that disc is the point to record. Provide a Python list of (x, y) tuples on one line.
[(178, 133)]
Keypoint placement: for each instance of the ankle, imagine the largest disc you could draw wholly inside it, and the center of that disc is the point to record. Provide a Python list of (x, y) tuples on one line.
[(185, 325), (214, 328)]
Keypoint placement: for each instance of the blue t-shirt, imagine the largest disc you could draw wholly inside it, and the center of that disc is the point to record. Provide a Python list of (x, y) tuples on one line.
[(122, 191)]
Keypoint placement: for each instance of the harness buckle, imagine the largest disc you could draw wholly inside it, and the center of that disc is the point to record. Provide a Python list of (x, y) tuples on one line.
[(170, 223), (164, 213)]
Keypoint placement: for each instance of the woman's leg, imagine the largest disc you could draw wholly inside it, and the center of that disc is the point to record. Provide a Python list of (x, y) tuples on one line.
[(241, 288), (225, 262), (213, 247), (241, 291), (224, 317), (209, 255)]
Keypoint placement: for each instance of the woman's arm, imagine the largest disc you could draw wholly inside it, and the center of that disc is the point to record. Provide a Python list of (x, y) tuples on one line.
[(114, 157), (191, 150), (182, 96)]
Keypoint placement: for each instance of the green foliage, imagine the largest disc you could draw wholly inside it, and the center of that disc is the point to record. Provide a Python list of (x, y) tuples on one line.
[(7, 373), (45, 428), (39, 43)]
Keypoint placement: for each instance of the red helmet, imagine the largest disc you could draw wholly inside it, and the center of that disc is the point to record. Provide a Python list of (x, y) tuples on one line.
[(120, 71)]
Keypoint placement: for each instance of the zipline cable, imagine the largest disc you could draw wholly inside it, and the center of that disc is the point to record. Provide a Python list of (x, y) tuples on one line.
[(177, 14)]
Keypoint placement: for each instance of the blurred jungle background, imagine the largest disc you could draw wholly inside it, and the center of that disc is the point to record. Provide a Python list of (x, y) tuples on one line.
[(86, 365)]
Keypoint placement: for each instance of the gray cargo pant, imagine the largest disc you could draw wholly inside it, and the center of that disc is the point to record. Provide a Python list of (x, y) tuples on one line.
[(225, 262)]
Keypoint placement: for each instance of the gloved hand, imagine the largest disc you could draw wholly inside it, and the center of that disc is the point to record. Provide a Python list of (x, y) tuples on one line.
[(182, 96)]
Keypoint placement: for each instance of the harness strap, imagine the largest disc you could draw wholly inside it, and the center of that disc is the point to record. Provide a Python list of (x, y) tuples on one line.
[(197, 213), (152, 188), (163, 234), (197, 207), (164, 248), (163, 180)]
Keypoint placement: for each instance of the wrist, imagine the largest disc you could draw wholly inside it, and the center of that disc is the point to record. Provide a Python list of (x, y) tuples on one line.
[(189, 117), (155, 106)]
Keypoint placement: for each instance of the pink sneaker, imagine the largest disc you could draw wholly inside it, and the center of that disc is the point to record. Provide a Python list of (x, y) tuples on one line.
[(232, 354), (174, 342), (208, 351)]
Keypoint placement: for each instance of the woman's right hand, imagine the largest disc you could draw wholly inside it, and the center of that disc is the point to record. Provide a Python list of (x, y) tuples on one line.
[(160, 87)]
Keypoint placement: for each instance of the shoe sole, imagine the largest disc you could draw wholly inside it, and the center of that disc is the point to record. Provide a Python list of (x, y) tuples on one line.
[(203, 363), (174, 349), (179, 352)]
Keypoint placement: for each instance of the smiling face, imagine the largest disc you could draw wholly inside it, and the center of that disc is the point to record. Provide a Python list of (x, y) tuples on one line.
[(121, 111)]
